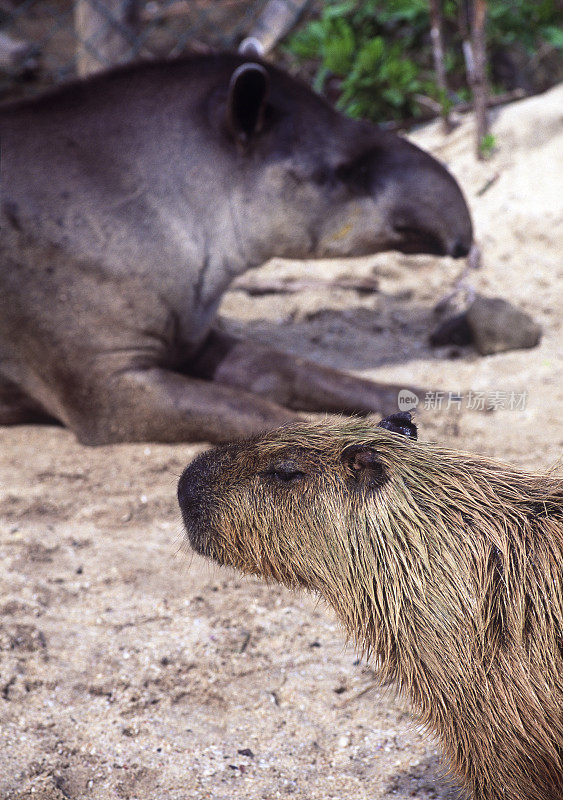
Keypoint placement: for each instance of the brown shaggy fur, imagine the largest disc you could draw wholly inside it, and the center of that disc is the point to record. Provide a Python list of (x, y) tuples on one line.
[(445, 567)]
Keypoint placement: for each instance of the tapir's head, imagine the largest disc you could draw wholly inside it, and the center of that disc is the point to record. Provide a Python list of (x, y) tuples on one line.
[(315, 183)]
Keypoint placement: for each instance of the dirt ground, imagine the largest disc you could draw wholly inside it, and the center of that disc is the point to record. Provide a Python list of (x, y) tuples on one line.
[(132, 669)]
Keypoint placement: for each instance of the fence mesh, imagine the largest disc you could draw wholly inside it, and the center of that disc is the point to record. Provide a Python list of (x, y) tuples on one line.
[(43, 42)]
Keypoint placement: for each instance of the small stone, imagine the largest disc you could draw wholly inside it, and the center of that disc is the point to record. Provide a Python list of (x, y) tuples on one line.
[(497, 326), (344, 741), (454, 330)]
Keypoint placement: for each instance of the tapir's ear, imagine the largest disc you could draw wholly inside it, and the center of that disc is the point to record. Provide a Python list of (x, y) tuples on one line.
[(246, 103), (362, 463), (400, 423)]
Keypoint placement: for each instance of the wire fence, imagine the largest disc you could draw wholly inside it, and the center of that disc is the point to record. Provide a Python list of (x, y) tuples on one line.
[(43, 42)]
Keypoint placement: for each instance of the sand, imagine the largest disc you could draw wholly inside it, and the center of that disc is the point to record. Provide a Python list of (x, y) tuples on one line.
[(132, 669)]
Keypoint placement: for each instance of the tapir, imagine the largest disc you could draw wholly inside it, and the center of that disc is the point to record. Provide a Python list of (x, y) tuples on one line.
[(132, 199)]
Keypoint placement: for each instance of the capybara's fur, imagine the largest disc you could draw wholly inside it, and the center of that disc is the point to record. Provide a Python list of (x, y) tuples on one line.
[(444, 567)]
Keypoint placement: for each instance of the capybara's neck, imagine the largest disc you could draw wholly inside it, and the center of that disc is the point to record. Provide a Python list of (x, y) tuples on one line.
[(456, 590)]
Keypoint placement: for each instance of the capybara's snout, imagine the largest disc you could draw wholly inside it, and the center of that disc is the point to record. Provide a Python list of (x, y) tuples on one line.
[(195, 498)]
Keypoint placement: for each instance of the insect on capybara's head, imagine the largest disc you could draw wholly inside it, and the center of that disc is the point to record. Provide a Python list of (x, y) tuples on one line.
[(263, 505)]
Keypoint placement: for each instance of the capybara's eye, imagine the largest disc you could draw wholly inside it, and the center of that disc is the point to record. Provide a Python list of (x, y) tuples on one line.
[(284, 473)]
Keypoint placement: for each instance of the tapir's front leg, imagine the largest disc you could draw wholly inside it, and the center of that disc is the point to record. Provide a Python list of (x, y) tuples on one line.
[(17, 407), (290, 381), (159, 405)]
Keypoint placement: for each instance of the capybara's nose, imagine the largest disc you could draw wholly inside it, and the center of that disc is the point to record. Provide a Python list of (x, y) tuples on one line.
[(186, 488), (195, 497), (194, 491)]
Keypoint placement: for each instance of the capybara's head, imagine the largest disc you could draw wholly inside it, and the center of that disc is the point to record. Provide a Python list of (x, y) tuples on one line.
[(366, 516), (272, 504)]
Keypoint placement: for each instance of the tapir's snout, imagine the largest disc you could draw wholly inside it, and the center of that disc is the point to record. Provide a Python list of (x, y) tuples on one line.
[(460, 248), (421, 231), (409, 201), (428, 211)]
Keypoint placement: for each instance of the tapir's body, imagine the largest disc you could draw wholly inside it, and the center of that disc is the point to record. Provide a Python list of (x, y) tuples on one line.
[(130, 202)]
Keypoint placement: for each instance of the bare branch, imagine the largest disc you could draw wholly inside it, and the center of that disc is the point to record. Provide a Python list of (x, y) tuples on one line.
[(276, 20), (438, 53), (476, 66), (107, 32)]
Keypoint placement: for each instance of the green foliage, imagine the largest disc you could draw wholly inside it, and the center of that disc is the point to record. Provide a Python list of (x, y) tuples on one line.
[(378, 52), (365, 45), (487, 145), (525, 21)]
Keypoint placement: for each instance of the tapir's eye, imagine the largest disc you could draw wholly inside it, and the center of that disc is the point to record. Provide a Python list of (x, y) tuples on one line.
[(323, 176), (286, 472), (358, 174)]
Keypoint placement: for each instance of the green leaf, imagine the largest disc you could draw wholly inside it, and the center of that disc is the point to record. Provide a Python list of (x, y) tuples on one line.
[(337, 10), (487, 145), (370, 55), (394, 96), (339, 49), (553, 35)]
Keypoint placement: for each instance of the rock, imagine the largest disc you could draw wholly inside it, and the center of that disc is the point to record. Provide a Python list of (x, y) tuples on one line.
[(497, 326), (454, 330)]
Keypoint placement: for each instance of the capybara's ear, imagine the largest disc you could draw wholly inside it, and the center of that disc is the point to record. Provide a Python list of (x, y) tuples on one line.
[(363, 464), (401, 422)]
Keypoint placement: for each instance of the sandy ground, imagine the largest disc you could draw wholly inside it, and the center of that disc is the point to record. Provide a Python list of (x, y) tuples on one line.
[(130, 669)]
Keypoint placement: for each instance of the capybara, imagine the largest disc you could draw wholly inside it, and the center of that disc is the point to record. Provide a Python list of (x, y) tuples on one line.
[(446, 568)]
